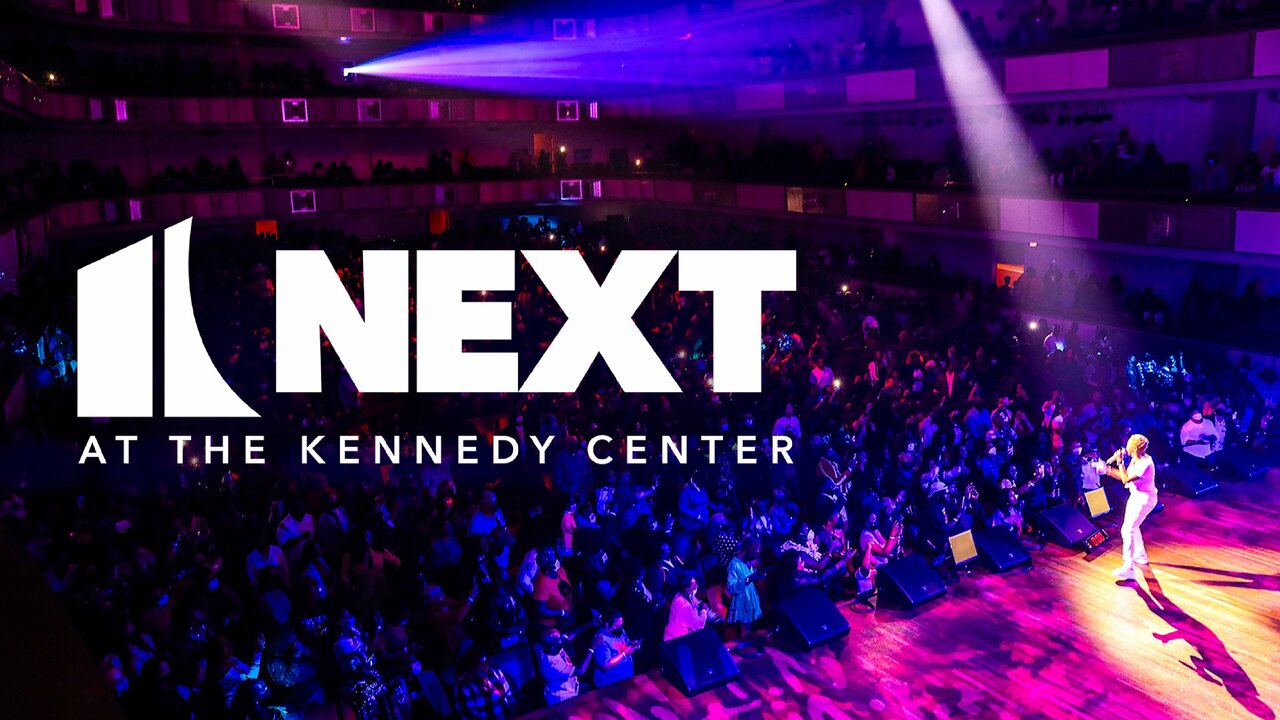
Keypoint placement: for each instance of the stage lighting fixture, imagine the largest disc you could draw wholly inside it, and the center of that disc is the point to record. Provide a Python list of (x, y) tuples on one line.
[(1033, 325)]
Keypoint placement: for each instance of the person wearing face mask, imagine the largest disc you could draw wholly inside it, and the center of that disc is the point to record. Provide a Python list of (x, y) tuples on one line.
[(804, 542), (1073, 474), (688, 613), (1198, 438), (787, 423), (557, 669), (611, 652), (551, 592), (1009, 515), (874, 547), (692, 506), (743, 599)]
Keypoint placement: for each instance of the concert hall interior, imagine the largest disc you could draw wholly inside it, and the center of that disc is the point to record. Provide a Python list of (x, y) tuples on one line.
[(641, 359)]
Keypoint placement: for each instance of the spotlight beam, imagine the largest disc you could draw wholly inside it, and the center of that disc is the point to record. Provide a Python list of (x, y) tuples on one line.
[(995, 144)]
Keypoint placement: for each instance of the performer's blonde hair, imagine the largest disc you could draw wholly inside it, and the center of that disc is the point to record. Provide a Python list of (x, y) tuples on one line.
[(1137, 445)]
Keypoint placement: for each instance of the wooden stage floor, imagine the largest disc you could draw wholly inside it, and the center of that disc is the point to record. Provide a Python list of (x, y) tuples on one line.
[(1198, 637)]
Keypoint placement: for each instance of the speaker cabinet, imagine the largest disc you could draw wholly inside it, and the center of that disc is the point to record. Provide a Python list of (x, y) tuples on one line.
[(697, 662), (810, 619), (1066, 526), (1188, 480), (909, 582), (1000, 549), (1239, 463)]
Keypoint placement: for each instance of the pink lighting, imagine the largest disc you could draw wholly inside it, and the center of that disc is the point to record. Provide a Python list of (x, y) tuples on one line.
[(369, 109), (363, 20), (302, 201), (286, 17), (293, 110), (566, 111), (570, 190)]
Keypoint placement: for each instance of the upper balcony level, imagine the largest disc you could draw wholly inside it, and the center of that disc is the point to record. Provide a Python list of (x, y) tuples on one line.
[(1236, 62), (761, 57)]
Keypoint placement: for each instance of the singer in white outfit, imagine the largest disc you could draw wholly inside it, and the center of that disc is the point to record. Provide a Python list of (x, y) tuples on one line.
[(1139, 474)]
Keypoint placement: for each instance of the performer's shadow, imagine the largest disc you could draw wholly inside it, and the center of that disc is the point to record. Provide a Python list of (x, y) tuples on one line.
[(1234, 579), (1215, 664)]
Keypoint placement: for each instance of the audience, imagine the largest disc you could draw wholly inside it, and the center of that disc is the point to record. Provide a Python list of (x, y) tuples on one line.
[(226, 591)]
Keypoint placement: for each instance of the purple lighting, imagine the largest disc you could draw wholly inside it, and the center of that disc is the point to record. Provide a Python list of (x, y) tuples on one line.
[(675, 55)]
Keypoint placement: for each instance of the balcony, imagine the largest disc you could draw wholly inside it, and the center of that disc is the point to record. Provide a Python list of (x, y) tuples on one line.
[(1218, 233), (1237, 62)]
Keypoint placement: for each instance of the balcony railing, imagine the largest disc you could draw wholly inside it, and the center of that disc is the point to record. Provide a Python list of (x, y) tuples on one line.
[(1207, 228), (1235, 62)]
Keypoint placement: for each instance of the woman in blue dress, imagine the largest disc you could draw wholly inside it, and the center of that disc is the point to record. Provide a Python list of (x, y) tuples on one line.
[(744, 601)]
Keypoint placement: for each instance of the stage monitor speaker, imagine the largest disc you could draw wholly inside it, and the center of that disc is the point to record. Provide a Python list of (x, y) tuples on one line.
[(1238, 463), (909, 582), (1188, 480), (1000, 549), (1097, 502), (697, 662), (811, 619), (1066, 526)]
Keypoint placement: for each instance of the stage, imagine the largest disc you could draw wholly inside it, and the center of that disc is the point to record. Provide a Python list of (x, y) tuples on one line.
[(1197, 637)]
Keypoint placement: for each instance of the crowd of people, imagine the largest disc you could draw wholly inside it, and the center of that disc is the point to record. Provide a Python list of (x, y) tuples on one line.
[(1097, 166), (1104, 163), (875, 40), (397, 588)]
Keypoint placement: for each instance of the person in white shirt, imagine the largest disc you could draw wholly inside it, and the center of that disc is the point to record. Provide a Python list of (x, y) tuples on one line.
[(296, 526), (788, 424), (1139, 474), (1198, 438), (688, 613), (263, 555), (822, 376), (1055, 341), (558, 670)]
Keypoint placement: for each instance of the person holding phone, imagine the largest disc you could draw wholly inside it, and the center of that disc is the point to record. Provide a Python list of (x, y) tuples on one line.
[(744, 600), (611, 651)]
